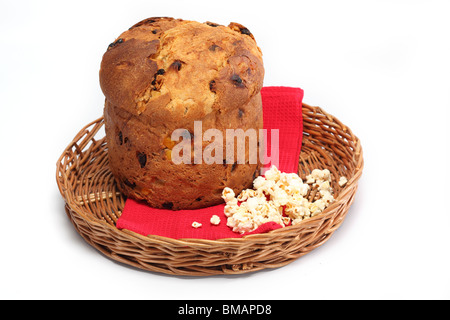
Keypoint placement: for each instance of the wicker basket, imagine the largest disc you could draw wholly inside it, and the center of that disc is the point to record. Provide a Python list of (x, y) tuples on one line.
[(93, 204)]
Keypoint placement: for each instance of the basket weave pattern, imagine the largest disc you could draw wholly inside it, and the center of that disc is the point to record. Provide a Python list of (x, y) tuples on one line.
[(93, 204)]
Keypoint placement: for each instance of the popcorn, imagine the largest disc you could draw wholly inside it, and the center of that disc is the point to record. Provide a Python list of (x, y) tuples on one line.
[(319, 175), (317, 207), (304, 189), (273, 173), (286, 221), (279, 197), (343, 181), (267, 186), (327, 196), (245, 194), (196, 224), (324, 186), (252, 203), (231, 207), (228, 194), (215, 220), (241, 221), (258, 182), (310, 179), (298, 209)]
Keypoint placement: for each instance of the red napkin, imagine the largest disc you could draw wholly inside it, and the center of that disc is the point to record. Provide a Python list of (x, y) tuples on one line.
[(282, 110)]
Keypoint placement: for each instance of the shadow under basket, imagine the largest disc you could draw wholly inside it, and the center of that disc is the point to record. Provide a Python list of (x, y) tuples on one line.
[(94, 203)]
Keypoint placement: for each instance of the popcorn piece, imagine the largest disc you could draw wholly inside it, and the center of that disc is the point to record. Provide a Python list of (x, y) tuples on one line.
[(327, 197), (325, 185), (273, 173), (310, 179), (343, 181), (215, 220), (286, 221), (298, 209), (245, 194), (228, 194), (231, 208), (278, 197), (317, 207), (268, 186), (258, 182), (303, 190), (241, 221), (319, 176), (196, 224), (252, 203), (326, 174)]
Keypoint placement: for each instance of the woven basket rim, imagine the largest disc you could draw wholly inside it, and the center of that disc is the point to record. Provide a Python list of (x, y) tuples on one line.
[(94, 126)]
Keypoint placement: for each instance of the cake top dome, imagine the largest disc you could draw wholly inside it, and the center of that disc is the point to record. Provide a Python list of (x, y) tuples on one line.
[(187, 67)]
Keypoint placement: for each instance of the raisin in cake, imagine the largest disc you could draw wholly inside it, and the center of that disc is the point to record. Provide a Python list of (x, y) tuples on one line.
[(163, 74)]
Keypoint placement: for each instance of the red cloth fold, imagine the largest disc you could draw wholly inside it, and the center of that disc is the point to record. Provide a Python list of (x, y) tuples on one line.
[(282, 110)]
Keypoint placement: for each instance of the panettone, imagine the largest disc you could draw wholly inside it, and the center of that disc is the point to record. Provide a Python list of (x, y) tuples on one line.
[(164, 74)]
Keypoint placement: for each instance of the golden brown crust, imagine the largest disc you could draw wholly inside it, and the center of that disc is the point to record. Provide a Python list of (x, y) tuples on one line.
[(120, 88), (163, 74)]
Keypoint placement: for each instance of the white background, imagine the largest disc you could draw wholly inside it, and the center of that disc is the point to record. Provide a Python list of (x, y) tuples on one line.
[(381, 67)]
